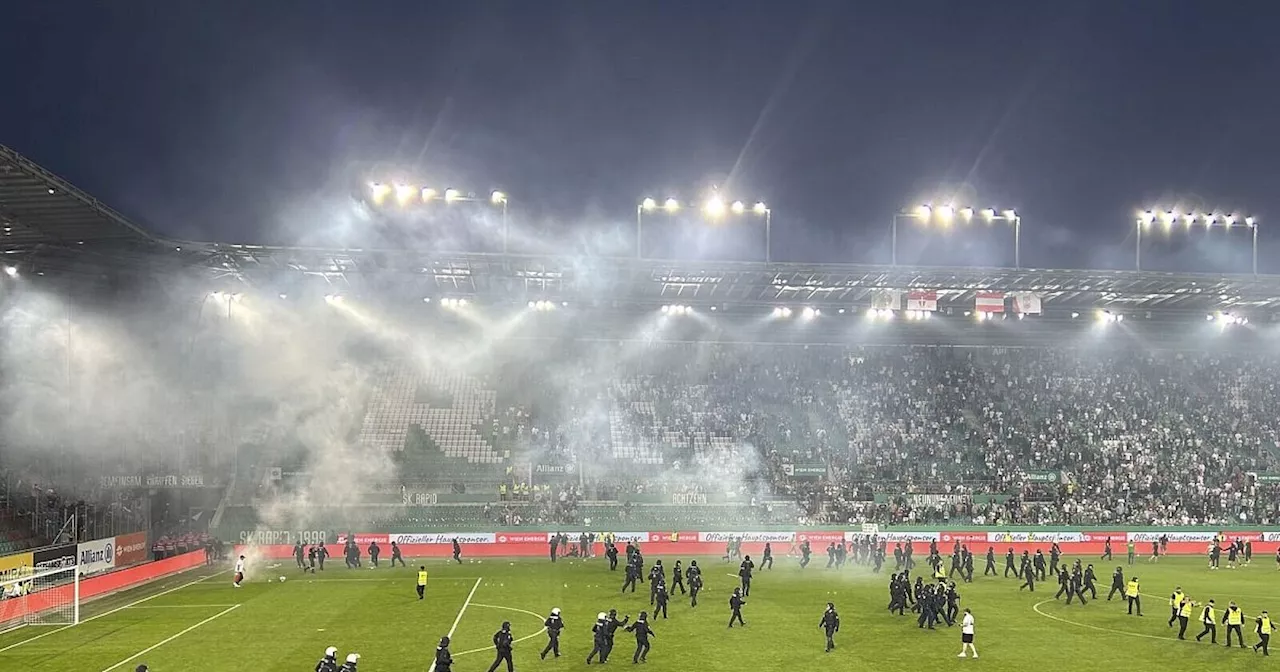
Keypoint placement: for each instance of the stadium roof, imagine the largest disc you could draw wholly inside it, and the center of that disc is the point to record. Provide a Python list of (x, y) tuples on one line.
[(610, 279), (49, 223), (40, 208)]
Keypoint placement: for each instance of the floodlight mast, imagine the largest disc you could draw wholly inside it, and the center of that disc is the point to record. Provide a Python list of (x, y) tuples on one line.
[(943, 216), (409, 194), (713, 208), (1168, 218)]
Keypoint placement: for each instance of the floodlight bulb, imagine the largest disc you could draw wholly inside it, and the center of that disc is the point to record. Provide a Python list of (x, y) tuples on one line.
[(379, 190), (404, 192), (924, 212), (1230, 219), (945, 212), (1189, 218), (714, 206), (1011, 215), (1249, 221), (966, 214), (428, 194), (498, 198), (671, 205), (451, 195), (738, 207), (648, 204), (989, 214), (760, 208)]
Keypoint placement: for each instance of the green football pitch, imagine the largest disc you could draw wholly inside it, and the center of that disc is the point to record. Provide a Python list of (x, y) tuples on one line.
[(199, 622)]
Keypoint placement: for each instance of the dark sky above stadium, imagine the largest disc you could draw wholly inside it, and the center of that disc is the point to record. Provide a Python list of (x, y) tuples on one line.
[(208, 120)]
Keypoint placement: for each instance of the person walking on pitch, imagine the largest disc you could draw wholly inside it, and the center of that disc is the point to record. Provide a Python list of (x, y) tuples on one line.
[(830, 624), (554, 624), (1234, 618), (1264, 628), (422, 581), (643, 633), (966, 635), (502, 642), (735, 604), (1210, 620), (1133, 594)]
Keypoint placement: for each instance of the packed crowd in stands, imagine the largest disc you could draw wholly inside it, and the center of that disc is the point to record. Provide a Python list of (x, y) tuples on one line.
[(924, 435)]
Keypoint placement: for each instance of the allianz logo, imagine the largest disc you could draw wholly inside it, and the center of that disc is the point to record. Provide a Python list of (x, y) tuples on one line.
[(90, 556)]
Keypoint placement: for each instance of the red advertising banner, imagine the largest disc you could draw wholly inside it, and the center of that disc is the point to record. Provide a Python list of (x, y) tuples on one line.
[(819, 537), (963, 537), (672, 537), (131, 549), (363, 539)]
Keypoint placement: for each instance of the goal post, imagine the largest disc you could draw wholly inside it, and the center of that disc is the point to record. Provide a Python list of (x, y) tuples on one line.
[(40, 597)]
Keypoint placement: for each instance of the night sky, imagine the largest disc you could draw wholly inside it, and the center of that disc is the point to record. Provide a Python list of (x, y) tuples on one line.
[(225, 120)]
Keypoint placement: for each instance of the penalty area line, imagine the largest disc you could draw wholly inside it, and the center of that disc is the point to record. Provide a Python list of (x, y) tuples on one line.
[(515, 609), (453, 628), (135, 603), (162, 642)]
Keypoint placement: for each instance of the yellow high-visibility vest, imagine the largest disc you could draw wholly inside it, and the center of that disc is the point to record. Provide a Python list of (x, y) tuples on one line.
[(1234, 617), (422, 578), (1184, 610), (1132, 589), (1266, 626), (1176, 599), (1210, 615)]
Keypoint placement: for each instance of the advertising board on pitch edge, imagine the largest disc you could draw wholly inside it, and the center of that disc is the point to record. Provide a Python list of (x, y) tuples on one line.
[(97, 556)]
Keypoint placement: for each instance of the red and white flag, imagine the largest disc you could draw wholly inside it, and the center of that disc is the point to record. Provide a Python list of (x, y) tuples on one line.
[(922, 300), (1026, 302), (989, 302)]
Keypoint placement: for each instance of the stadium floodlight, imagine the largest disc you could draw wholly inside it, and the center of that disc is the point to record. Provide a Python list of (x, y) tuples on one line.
[(11, 271), (497, 198), (379, 191), (943, 215), (451, 195), (429, 194), (715, 207), (810, 312), (1210, 220), (404, 192), (781, 311)]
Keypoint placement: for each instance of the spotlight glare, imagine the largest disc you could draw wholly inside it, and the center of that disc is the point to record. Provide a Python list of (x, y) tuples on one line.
[(428, 194), (1011, 215), (451, 195), (379, 190), (497, 198), (714, 206), (989, 214), (946, 212), (760, 208), (1249, 221), (738, 207), (648, 204), (966, 214), (924, 212), (531, 304), (404, 192), (1230, 219), (671, 205)]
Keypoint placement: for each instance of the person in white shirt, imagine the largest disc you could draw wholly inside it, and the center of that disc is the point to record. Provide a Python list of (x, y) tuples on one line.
[(966, 635), (239, 572)]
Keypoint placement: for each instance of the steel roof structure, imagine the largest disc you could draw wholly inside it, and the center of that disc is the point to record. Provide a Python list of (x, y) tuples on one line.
[(51, 225)]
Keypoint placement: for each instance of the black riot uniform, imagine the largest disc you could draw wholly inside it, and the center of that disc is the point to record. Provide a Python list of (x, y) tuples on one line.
[(599, 638), (611, 628), (830, 624), (444, 659), (744, 572), (554, 624), (677, 578), (1117, 583), (662, 601), (735, 605), (502, 642), (632, 573), (330, 661), (643, 633)]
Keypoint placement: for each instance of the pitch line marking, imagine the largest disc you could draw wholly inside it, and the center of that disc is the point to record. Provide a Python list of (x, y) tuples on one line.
[(1036, 608), (461, 611), (108, 613), (515, 609), (184, 606), (161, 643)]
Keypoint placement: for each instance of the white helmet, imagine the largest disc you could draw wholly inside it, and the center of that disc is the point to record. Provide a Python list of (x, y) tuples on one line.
[(331, 652), (353, 657), (602, 616), (555, 611)]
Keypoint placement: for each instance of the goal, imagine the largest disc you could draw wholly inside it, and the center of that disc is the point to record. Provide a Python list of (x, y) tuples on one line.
[(40, 597)]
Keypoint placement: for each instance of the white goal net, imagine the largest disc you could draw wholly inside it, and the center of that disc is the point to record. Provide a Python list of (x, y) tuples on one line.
[(40, 597)]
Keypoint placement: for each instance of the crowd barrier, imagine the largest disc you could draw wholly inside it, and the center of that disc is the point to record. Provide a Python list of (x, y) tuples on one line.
[(96, 586), (532, 544)]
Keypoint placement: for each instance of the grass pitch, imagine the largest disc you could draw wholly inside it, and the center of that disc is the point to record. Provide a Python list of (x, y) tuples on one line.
[(197, 621)]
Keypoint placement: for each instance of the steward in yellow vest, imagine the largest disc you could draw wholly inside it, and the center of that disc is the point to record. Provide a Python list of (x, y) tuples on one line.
[(1210, 619), (1132, 594)]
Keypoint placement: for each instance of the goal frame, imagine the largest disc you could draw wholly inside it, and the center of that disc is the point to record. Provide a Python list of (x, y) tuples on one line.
[(47, 590)]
